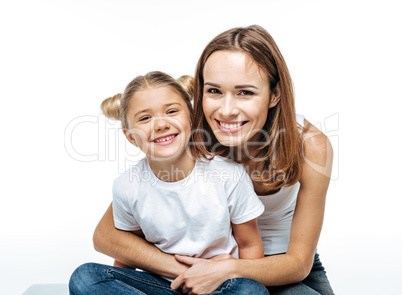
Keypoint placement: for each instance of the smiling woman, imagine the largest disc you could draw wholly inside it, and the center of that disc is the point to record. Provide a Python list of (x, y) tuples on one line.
[(234, 106), (243, 79), (244, 100)]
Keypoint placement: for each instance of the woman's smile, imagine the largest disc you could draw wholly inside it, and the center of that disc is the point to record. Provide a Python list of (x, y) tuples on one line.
[(230, 127)]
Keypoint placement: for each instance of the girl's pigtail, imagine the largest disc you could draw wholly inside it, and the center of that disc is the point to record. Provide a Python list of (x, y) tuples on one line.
[(111, 107), (187, 82)]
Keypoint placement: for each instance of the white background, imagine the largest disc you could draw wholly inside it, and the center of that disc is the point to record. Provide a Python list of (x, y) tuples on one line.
[(60, 59)]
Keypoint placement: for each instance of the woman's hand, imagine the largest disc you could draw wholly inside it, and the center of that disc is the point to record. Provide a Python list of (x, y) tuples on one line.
[(217, 257), (204, 275)]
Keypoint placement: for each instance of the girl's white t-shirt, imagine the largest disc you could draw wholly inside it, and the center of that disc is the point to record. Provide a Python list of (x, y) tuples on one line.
[(189, 217)]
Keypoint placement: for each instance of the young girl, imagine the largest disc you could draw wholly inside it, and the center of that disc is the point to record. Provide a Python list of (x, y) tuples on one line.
[(180, 205), (244, 101)]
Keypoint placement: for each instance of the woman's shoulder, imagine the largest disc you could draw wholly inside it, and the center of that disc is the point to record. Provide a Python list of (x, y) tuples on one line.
[(314, 140), (317, 149)]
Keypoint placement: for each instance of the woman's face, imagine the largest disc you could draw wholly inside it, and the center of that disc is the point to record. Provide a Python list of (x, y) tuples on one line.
[(236, 97)]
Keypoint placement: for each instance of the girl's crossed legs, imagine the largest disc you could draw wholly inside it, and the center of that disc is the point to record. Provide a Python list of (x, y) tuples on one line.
[(93, 278)]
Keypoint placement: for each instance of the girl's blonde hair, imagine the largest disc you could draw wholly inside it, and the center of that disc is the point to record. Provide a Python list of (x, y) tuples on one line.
[(117, 106), (280, 154)]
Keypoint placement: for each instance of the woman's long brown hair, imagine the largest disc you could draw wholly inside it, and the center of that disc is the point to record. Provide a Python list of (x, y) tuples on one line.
[(279, 158)]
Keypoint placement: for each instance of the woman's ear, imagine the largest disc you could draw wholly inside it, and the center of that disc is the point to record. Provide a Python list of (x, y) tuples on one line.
[(129, 137), (275, 96)]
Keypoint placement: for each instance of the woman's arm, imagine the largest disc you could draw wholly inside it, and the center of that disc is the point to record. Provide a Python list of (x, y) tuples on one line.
[(121, 265), (248, 239), (131, 250), (116, 263), (296, 264), (307, 222)]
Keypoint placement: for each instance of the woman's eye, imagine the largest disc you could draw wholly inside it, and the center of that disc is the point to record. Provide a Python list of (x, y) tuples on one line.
[(213, 91), (169, 112), (246, 92)]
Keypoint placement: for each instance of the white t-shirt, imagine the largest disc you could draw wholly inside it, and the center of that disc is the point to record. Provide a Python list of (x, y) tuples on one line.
[(189, 217), (276, 221)]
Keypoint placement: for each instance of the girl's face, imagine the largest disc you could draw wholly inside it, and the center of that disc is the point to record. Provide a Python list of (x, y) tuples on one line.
[(159, 123), (236, 97)]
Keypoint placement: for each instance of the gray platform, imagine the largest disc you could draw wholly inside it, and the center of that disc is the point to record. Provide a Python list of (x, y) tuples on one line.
[(47, 289)]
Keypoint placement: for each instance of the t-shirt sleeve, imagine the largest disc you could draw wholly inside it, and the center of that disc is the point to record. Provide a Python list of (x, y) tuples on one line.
[(244, 204), (123, 218)]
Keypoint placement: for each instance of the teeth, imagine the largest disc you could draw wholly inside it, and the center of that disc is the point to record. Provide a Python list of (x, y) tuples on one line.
[(164, 139), (230, 126)]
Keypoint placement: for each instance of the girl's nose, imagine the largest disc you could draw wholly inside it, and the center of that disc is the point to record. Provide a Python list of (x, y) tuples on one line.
[(161, 124)]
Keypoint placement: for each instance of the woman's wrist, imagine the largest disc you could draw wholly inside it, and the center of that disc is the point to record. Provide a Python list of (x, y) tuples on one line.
[(236, 268), (230, 267)]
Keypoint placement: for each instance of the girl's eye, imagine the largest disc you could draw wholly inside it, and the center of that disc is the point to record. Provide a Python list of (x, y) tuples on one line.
[(144, 118), (213, 91), (246, 92)]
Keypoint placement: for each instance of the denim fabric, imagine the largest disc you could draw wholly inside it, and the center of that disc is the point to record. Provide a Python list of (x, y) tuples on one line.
[(315, 283), (93, 278)]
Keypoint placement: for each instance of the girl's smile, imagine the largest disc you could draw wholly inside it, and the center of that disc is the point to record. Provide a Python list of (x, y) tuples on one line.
[(165, 139), (159, 124)]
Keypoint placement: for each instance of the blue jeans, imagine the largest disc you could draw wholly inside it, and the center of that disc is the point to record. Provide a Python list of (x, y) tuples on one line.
[(93, 278), (315, 283)]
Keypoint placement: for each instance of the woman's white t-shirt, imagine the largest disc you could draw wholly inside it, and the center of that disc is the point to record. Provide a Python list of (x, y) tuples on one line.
[(276, 221)]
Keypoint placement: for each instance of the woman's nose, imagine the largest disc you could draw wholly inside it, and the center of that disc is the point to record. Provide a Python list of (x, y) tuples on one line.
[(228, 108)]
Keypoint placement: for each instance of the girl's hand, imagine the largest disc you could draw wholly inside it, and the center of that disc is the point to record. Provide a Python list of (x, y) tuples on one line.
[(204, 275)]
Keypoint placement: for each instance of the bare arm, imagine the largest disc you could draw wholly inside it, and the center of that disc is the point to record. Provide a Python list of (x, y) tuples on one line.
[(307, 222), (296, 264), (116, 263), (131, 250), (248, 239)]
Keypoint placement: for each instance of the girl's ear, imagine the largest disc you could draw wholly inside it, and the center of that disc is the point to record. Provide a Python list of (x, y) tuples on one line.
[(275, 96), (129, 137)]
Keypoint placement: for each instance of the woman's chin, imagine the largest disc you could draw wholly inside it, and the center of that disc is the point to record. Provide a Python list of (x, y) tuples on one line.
[(232, 141)]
